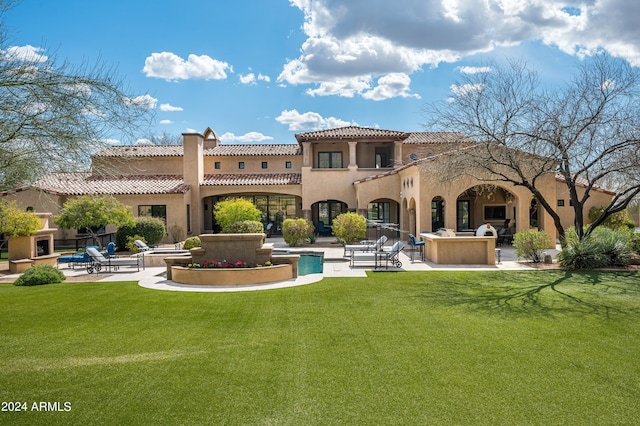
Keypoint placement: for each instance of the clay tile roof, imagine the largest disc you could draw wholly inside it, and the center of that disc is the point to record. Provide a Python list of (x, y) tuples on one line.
[(352, 132), (142, 151), (256, 149), (253, 179), (437, 138), (86, 183)]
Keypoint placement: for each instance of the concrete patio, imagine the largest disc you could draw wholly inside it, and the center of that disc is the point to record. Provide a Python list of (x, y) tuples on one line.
[(335, 265)]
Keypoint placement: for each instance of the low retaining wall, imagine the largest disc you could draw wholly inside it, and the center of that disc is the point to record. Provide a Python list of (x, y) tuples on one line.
[(231, 276)]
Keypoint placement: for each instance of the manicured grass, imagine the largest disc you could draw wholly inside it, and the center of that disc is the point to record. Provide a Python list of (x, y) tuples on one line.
[(464, 348)]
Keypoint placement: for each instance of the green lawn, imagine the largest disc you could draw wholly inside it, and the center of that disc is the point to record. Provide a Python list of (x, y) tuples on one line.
[(467, 348)]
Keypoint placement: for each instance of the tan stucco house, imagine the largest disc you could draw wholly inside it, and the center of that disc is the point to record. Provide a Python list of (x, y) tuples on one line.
[(382, 174)]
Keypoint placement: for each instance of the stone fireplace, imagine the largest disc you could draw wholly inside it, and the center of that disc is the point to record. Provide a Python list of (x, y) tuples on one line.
[(37, 249)]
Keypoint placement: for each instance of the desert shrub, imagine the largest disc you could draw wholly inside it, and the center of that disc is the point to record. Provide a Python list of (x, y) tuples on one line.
[(191, 242), (151, 228), (296, 231), (580, 254), (245, 227), (604, 247), (228, 212), (40, 275), (131, 245), (615, 245), (349, 227), (531, 244), (176, 232)]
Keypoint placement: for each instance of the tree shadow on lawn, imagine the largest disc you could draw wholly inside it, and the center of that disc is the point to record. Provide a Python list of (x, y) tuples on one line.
[(548, 293)]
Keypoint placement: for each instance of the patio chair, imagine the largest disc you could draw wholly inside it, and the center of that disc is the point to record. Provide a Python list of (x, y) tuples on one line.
[(111, 249), (377, 257), (79, 258), (98, 261), (365, 246), (416, 245), (322, 229)]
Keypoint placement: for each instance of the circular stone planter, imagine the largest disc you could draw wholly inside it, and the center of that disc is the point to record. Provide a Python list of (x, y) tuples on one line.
[(231, 276)]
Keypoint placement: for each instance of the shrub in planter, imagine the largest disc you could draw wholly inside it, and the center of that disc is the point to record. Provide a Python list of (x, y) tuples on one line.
[(296, 231), (191, 242), (245, 227), (531, 244), (40, 275), (349, 227)]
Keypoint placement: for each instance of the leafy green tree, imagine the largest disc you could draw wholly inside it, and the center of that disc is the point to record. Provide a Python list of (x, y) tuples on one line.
[(228, 212), (349, 227), (16, 222), (92, 212)]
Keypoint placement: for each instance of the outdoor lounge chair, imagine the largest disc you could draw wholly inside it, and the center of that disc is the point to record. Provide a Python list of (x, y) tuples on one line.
[(377, 257), (143, 247), (365, 246), (99, 261), (79, 258)]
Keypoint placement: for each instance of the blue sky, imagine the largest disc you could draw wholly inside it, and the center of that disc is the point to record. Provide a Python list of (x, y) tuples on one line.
[(260, 71)]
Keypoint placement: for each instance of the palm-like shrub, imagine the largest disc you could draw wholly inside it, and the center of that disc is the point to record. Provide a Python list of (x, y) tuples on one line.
[(296, 231), (531, 244), (349, 227), (604, 247)]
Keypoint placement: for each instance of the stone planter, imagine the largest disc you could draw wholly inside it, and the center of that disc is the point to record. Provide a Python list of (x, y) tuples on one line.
[(231, 276)]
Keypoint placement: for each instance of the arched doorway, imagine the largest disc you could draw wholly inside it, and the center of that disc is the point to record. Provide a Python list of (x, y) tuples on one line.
[(326, 211), (485, 204)]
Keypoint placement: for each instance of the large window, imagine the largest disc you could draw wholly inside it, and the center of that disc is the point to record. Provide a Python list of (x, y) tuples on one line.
[(379, 211), (463, 213), (495, 212), (330, 160), (157, 211)]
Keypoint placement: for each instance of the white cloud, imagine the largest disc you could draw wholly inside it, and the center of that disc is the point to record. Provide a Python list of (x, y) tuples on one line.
[(26, 53), (251, 78), (169, 107), (247, 137), (166, 122), (473, 70), (144, 101), (465, 88), (170, 66), (143, 141), (310, 121), (391, 86), (362, 40)]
